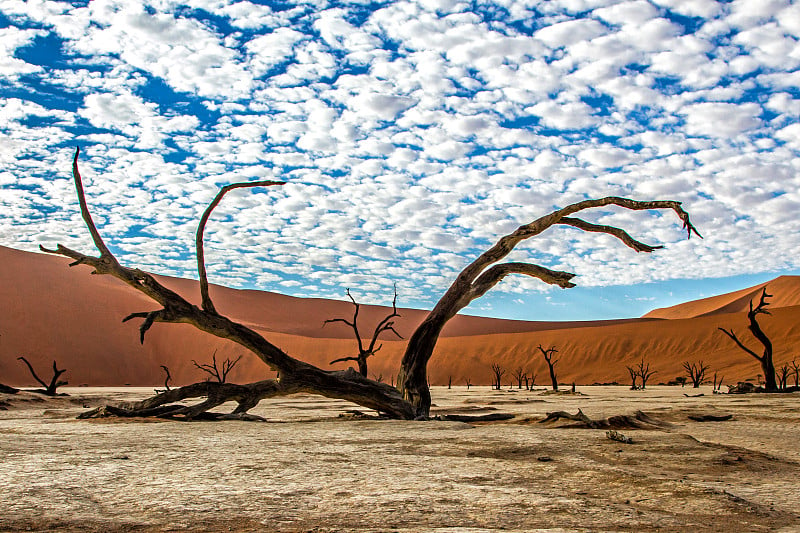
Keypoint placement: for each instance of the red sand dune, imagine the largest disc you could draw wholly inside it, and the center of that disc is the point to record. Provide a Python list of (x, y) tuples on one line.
[(785, 291), (51, 312)]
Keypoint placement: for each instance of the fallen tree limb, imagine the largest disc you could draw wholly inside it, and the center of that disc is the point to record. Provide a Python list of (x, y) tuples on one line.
[(638, 420), (5, 389), (163, 405), (710, 418), (492, 417)]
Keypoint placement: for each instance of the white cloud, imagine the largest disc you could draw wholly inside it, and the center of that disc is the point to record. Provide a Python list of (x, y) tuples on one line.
[(570, 32), (412, 137), (721, 119)]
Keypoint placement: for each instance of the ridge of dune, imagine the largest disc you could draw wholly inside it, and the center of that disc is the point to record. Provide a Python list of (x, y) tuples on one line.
[(785, 291), (50, 311)]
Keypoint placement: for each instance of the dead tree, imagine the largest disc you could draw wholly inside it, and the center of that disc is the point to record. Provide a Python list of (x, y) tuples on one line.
[(644, 372), (168, 378), (387, 324), (412, 397), (532, 381), (218, 373), (767, 366), (783, 376), (696, 372), (467, 382), (634, 374), (551, 363), (796, 370), (49, 389), (717, 383), (498, 373), (520, 376)]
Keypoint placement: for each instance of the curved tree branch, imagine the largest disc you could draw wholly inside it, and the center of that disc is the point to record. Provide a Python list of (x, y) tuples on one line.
[(611, 230), (493, 275), (32, 371), (201, 266), (735, 339)]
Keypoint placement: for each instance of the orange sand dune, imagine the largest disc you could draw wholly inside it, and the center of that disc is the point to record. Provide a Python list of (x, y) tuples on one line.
[(785, 291), (52, 311)]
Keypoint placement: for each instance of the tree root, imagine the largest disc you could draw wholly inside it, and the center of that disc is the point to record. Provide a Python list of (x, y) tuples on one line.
[(638, 420)]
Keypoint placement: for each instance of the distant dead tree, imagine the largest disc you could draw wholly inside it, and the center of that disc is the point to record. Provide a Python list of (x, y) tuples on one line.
[(378, 377), (644, 373), (520, 376), (783, 376), (717, 383), (411, 399), (387, 324), (634, 374), (220, 374), (696, 372), (681, 380), (767, 366), (168, 377), (532, 383), (498, 372), (796, 370), (467, 382), (449, 382), (49, 389), (551, 363)]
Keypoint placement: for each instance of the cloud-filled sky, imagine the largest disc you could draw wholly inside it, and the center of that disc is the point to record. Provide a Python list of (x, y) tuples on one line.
[(412, 135)]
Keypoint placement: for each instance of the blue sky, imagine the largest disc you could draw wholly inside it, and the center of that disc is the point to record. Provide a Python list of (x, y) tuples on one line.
[(412, 135)]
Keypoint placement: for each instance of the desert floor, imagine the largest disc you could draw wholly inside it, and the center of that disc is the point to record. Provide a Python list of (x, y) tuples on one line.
[(310, 469)]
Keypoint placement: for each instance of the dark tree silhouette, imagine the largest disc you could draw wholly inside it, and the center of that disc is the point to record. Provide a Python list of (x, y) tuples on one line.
[(767, 366), (783, 376), (520, 375), (412, 400), (498, 372), (49, 388), (532, 383), (634, 374), (467, 382), (796, 370), (387, 324), (644, 372), (696, 372), (717, 382), (551, 363), (167, 378), (218, 373)]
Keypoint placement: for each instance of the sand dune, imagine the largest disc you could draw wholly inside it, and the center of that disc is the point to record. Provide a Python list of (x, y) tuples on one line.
[(52, 311), (785, 291)]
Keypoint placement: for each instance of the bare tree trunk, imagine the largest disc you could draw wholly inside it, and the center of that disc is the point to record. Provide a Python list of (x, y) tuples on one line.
[(767, 366), (551, 364)]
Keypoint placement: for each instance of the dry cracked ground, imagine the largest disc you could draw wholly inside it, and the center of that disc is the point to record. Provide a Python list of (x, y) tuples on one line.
[(310, 469)]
